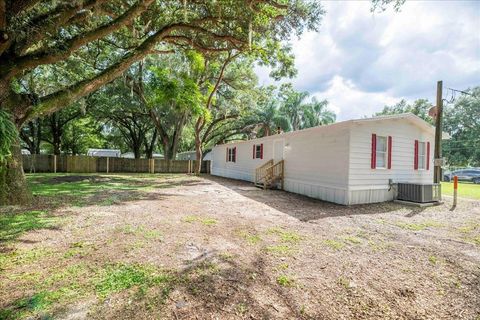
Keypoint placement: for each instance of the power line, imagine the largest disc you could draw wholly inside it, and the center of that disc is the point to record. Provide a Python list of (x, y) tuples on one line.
[(453, 95), (463, 92)]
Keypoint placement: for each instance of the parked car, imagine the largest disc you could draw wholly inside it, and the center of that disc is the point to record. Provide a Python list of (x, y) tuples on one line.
[(472, 175)]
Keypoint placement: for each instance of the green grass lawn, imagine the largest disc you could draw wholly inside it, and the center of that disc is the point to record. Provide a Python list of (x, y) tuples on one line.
[(465, 190), (91, 189), (45, 184), (14, 225)]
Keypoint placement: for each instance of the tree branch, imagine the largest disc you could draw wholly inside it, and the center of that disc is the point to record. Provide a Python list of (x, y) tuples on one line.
[(18, 6), (215, 122), (177, 40), (3, 19), (4, 36), (62, 52), (51, 22), (54, 101), (230, 57)]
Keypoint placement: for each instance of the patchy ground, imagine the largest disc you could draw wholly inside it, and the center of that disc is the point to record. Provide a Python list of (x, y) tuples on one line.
[(182, 247)]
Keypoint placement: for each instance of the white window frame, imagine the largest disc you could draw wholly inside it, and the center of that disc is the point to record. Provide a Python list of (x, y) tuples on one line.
[(381, 153), (231, 155), (422, 163)]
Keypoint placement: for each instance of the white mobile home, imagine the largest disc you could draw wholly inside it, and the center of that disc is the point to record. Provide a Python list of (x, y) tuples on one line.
[(112, 153), (187, 155), (192, 155), (349, 162)]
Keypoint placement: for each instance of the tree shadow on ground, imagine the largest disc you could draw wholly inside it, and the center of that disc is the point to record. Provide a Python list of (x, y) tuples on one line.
[(231, 289), (213, 286), (216, 286), (55, 193), (14, 225), (304, 208), (58, 191)]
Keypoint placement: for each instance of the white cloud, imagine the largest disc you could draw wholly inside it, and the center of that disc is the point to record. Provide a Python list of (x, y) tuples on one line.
[(348, 102), (369, 60)]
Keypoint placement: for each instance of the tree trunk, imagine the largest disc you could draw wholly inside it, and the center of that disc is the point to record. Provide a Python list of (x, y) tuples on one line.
[(198, 150), (177, 135), (166, 149), (56, 132), (149, 146), (56, 144), (136, 149), (266, 129), (34, 136), (38, 138), (166, 152), (148, 153), (13, 185)]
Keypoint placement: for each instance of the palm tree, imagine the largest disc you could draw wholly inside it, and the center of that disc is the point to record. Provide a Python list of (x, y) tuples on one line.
[(293, 107), (269, 118), (316, 113)]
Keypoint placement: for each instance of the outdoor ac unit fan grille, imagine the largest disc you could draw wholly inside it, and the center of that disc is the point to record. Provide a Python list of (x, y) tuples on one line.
[(419, 192)]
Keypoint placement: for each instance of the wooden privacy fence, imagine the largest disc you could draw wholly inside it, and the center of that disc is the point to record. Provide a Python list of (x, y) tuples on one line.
[(87, 164)]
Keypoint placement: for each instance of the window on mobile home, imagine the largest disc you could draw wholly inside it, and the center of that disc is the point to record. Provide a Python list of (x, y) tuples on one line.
[(231, 154), (421, 155), (258, 151), (381, 152)]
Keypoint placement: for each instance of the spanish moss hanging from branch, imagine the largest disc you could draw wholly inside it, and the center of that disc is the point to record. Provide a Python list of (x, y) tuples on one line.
[(8, 132), (250, 34), (184, 10)]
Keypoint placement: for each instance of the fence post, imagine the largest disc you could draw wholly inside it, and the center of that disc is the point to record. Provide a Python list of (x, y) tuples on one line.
[(108, 159), (54, 163), (455, 188)]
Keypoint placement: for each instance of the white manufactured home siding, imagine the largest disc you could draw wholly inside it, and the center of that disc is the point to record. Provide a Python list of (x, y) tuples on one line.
[(244, 167), (332, 163), (316, 161), (368, 185)]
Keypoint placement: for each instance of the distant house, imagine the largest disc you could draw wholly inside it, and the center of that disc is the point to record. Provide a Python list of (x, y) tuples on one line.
[(207, 156), (349, 162), (128, 155), (187, 155), (192, 155), (131, 155), (112, 153), (26, 152)]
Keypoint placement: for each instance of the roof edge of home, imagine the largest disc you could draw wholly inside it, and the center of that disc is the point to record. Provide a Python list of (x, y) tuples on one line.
[(419, 121)]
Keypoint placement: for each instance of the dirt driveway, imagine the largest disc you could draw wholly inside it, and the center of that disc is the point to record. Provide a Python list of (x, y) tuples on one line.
[(211, 248)]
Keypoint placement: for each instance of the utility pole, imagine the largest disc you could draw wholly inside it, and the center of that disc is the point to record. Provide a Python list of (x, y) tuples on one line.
[(437, 173)]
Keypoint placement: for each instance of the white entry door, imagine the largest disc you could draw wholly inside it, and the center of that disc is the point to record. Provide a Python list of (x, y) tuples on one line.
[(278, 148)]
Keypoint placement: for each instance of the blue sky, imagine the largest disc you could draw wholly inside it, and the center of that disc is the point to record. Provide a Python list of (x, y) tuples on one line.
[(360, 61)]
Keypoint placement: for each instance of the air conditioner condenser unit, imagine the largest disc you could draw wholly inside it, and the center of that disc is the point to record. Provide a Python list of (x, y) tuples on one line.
[(421, 193)]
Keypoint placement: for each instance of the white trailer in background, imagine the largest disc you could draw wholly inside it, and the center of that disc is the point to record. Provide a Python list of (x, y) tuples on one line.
[(349, 162), (111, 153)]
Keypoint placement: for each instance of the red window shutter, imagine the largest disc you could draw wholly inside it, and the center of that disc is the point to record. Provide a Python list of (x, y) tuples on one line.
[(428, 155), (415, 158), (253, 151), (389, 152), (235, 154), (373, 160), (261, 151)]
